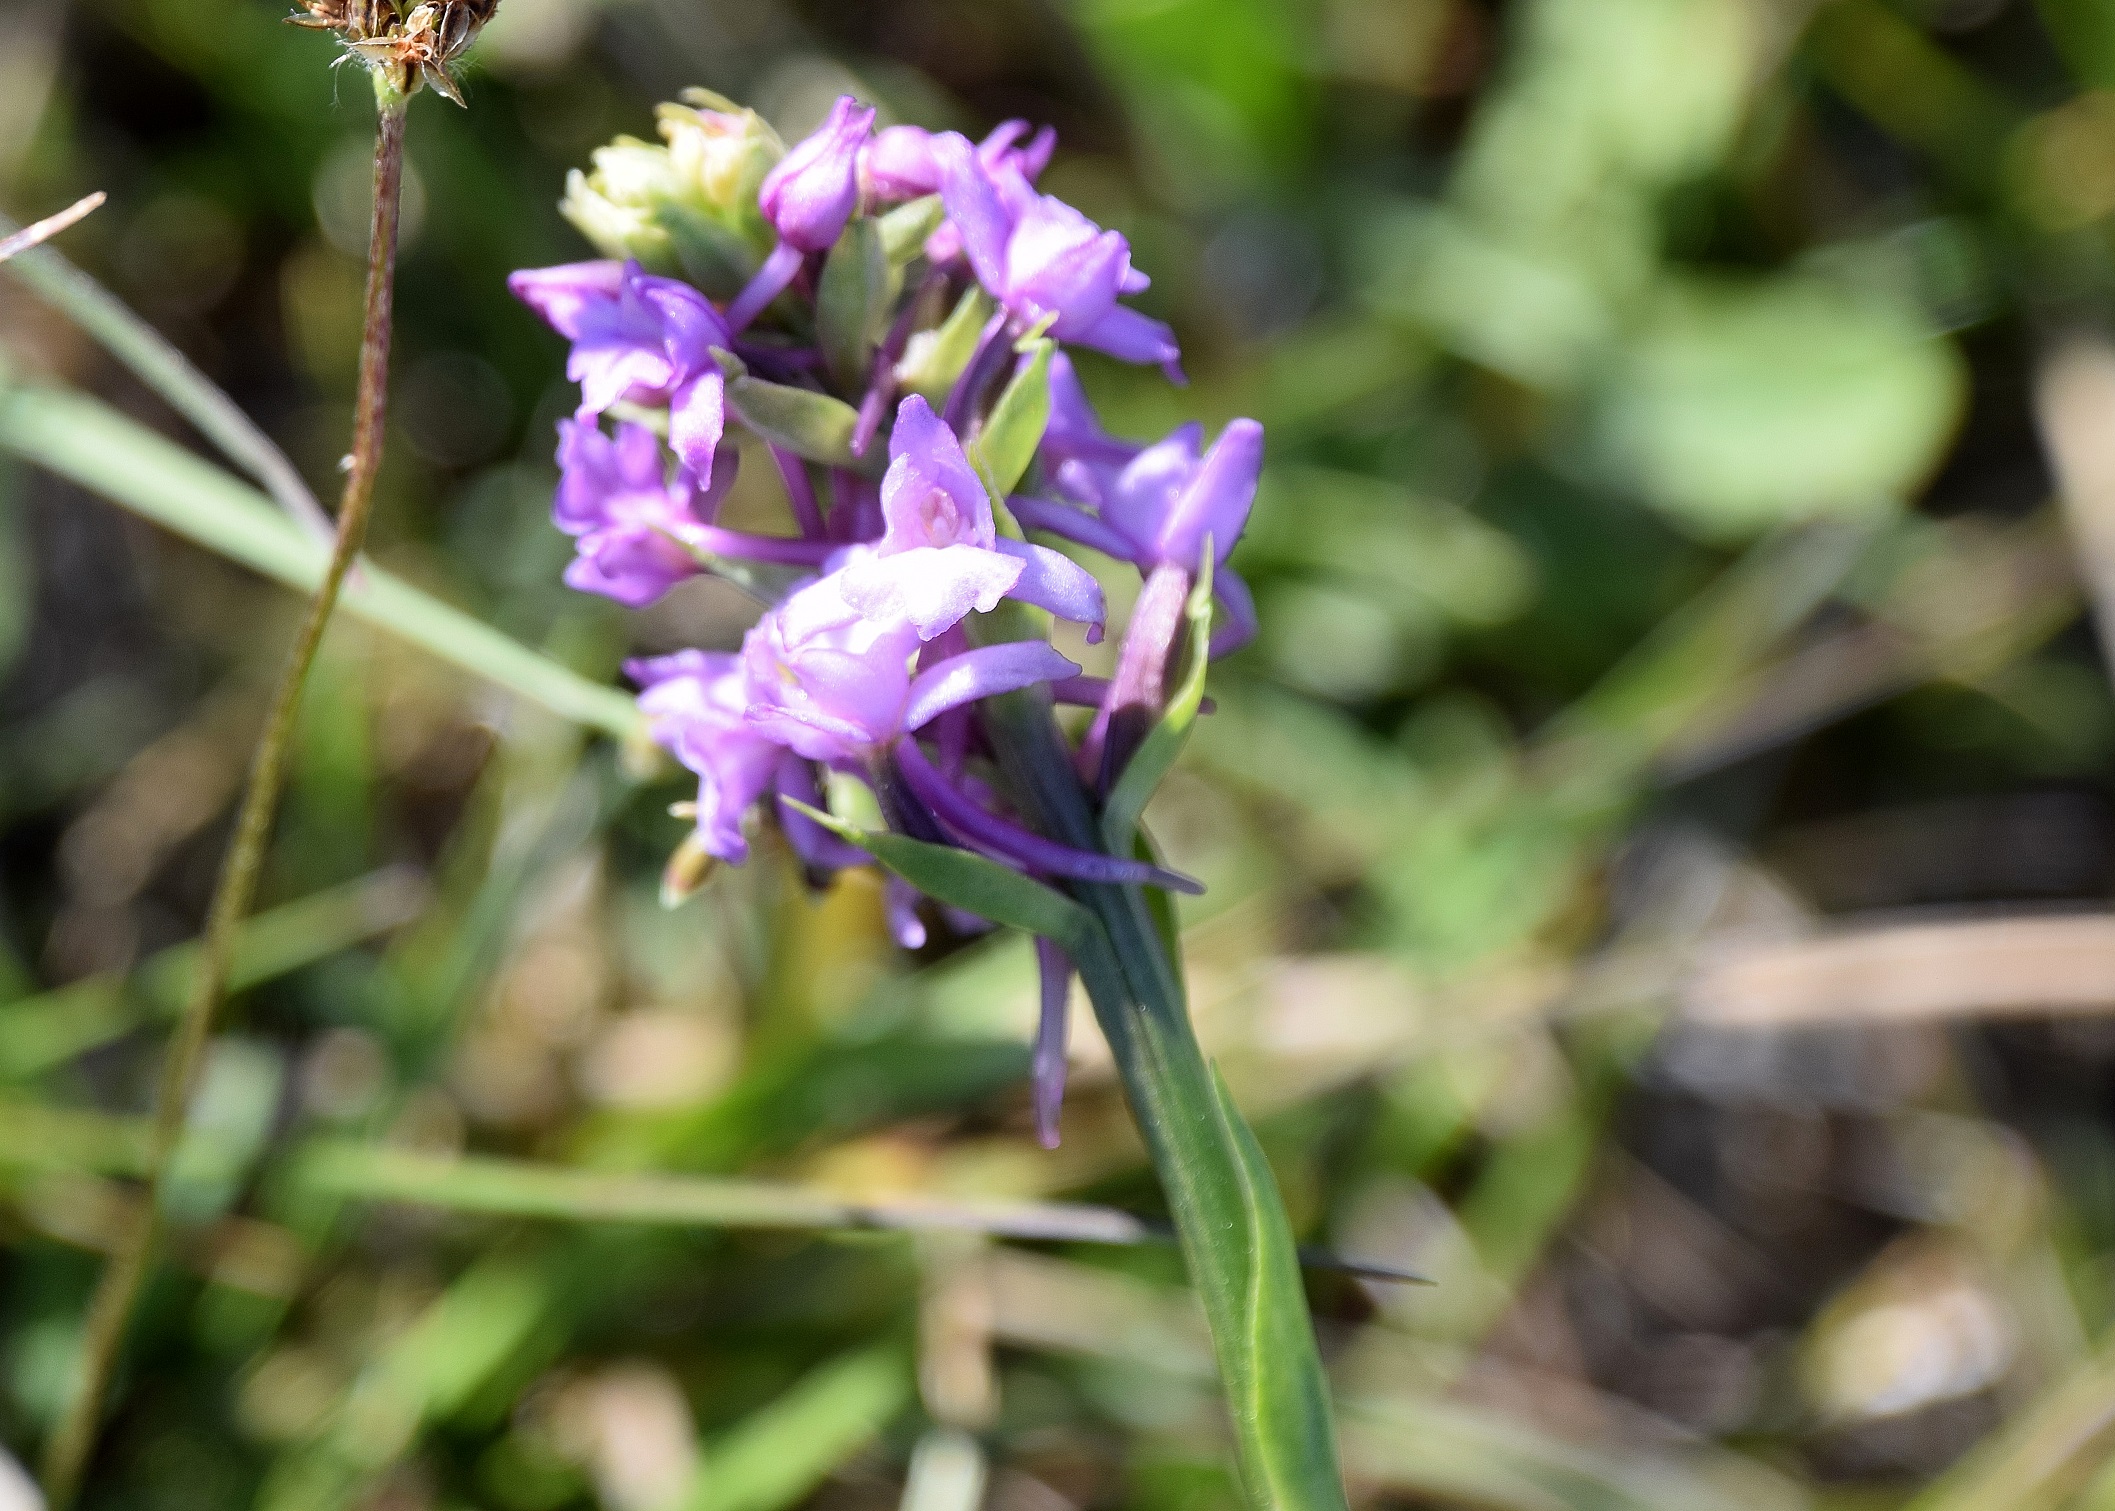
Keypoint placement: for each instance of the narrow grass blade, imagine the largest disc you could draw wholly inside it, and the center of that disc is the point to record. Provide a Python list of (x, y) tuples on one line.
[(163, 368), (514, 1188), (85, 441)]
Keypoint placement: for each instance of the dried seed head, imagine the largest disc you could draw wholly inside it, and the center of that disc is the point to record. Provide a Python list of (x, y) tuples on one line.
[(414, 45)]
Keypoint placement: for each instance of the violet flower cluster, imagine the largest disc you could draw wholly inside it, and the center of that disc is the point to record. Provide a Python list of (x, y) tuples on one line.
[(880, 308)]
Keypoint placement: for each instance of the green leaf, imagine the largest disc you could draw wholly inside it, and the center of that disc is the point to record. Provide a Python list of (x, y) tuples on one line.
[(905, 228), (806, 423), (1003, 448), (1739, 407), (1287, 1421), (1157, 753), (859, 283), (934, 359), (972, 883), (86, 442)]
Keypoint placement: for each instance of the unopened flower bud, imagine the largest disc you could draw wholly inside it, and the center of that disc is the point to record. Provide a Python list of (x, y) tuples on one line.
[(721, 153), (811, 195), (619, 205)]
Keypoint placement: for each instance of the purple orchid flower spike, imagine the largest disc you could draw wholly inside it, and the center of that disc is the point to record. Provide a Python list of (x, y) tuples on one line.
[(833, 683), (695, 704), (1043, 260), (940, 555), (807, 198), (638, 339), (638, 533)]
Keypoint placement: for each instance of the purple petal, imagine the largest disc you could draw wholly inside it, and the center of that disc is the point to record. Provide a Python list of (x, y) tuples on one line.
[(1059, 584), (800, 492), (1074, 430), (775, 548), (1238, 626), (932, 589), (559, 295), (1124, 333), (1073, 524), (975, 209), (1138, 690), (697, 417), (635, 566), (1029, 161), (1054, 972), (1080, 692), (693, 705), (1216, 499), (981, 673), (1058, 263), (812, 192), (898, 163)]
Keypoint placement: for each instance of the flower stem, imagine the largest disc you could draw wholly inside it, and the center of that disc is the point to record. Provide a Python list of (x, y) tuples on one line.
[(66, 1457), (1236, 1240)]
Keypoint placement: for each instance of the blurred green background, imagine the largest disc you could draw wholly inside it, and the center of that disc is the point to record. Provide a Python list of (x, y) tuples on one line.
[(1659, 848)]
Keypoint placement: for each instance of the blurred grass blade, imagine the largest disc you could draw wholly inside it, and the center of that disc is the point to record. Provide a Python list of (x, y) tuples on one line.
[(89, 443), (520, 1189), (1914, 972), (40, 1032), (486, 1320), (775, 1457), (169, 373), (14, 245), (1457, 1454)]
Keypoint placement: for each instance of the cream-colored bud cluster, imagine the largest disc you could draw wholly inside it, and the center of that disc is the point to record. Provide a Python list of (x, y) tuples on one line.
[(686, 205)]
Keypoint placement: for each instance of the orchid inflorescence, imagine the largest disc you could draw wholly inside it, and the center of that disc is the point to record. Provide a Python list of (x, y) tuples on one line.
[(887, 311)]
